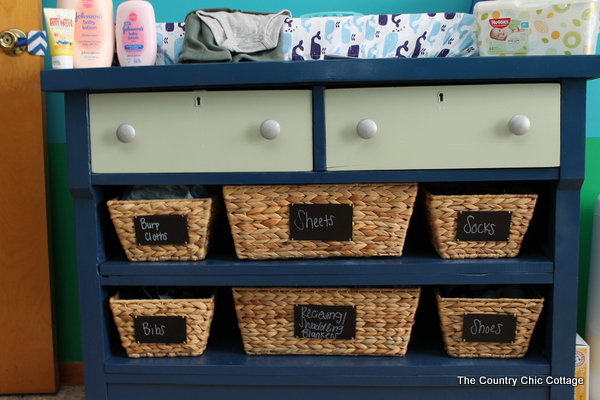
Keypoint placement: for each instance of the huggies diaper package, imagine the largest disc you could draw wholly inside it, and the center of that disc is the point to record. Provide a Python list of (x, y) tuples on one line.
[(537, 27)]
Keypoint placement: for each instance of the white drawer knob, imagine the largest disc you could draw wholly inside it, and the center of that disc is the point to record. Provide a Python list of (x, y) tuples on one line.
[(125, 133), (519, 125), (366, 129), (270, 129)]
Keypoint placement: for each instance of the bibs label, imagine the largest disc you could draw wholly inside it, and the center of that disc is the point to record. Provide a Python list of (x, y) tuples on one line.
[(160, 329)]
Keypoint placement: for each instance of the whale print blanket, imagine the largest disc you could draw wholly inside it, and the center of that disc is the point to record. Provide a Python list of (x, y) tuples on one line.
[(380, 36)]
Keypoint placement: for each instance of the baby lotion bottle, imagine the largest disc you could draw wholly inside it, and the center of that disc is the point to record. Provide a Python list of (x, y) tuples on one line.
[(136, 33), (94, 32)]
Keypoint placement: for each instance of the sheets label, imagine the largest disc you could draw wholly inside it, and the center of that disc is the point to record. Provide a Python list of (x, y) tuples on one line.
[(331, 222)]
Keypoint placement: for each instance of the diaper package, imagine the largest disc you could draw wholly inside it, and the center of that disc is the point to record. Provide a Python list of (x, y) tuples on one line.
[(536, 27)]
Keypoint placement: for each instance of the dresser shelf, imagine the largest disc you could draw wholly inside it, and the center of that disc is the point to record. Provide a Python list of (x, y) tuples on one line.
[(414, 369), (328, 177), (406, 270), (333, 73)]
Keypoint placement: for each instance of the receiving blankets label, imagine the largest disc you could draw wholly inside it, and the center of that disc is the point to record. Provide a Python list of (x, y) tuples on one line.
[(324, 322)]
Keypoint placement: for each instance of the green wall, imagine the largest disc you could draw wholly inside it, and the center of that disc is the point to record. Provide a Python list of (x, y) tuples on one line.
[(589, 193), (61, 205), (62, 236)]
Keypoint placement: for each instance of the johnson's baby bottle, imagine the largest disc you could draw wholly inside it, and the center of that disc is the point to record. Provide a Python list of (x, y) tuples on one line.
[(135, 33), (94, 44)]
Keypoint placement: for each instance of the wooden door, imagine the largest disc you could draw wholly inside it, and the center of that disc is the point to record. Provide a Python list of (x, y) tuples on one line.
[(27, 349)]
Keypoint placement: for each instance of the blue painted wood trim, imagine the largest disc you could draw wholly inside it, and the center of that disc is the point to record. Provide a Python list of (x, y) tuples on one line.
[(333, 73), (319, 134), (572, 127), (78, 145), (91, 248), (562, 302), (248, 391), (219, 270), (275, 178), (271, 365), (416, 278), (95, 332)]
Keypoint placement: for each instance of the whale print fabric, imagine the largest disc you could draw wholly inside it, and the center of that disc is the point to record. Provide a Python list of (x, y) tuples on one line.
[(380, 36)]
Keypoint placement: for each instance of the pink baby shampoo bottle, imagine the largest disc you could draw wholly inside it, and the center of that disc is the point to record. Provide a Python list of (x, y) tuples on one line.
[(135, 33)]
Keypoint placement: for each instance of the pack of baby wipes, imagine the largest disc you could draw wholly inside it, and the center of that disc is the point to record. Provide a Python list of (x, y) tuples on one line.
[(537, 27)]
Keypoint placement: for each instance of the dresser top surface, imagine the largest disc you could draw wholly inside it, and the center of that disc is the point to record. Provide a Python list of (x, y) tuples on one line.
[(330, 73)]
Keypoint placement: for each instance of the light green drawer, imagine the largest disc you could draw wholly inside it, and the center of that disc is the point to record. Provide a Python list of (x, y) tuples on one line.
[(203, 131), (443, 127)]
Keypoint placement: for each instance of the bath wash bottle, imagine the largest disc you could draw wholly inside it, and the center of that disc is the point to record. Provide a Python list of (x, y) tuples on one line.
[(94, 44), (136, 33)]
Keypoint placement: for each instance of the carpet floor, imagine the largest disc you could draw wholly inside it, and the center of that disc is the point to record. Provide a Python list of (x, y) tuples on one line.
[(70, 392)]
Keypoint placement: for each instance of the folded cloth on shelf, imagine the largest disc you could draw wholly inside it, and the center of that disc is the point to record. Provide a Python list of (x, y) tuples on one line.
[(163, 192), (381, 36), (244, 32), (231, 35)]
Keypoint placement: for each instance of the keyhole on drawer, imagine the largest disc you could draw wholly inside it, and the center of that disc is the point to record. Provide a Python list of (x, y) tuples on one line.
[(198, 101), (440, 97)]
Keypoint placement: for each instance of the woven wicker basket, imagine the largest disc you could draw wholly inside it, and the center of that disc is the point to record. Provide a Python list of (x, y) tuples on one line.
[(198, 314), (442, 215), (452, 313), (384, 320), (200, 213), (259, 217)]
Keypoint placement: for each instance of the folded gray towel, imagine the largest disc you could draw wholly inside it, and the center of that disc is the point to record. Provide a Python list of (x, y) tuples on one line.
[(243, 32), (224, 35)]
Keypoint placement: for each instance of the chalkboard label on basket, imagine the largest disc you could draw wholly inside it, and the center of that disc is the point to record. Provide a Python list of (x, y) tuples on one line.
[(482, 226), (161, 229), (500, 328), (331, 222), (324, 322), (149, 329)]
